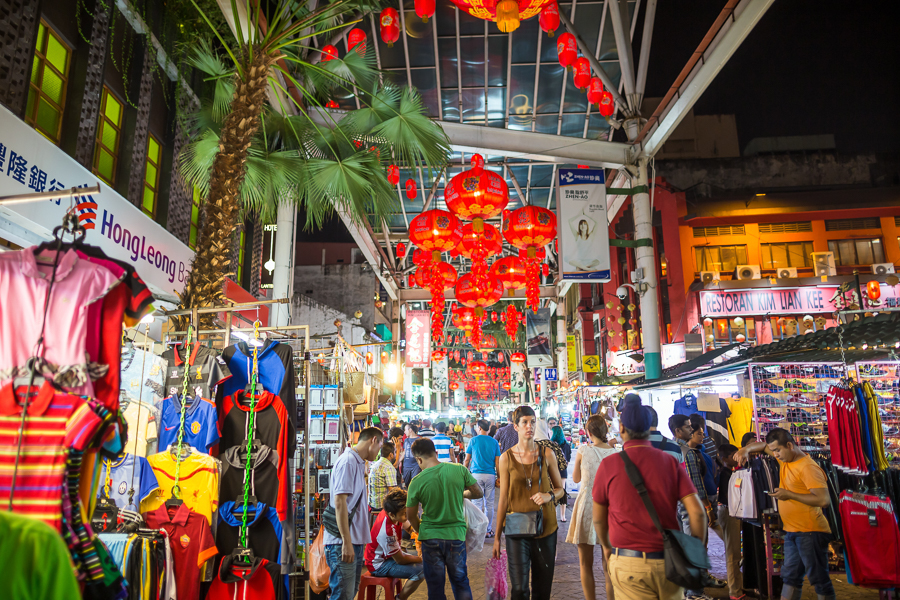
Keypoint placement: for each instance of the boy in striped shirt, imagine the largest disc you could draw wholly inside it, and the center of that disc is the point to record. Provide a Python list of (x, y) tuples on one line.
[(443, 445)]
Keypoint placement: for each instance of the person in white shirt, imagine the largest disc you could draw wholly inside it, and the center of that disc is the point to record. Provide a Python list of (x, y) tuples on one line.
[(443, 444)]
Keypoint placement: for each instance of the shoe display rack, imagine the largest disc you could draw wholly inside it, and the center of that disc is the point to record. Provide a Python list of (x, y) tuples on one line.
[(792, 396), (885, 380)]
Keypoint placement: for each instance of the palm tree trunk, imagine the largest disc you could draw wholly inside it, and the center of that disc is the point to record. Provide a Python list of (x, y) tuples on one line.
[(212, 262)]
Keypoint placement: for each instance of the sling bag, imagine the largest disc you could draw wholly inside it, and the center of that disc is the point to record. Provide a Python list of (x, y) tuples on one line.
[(329, 518), (528, 524)]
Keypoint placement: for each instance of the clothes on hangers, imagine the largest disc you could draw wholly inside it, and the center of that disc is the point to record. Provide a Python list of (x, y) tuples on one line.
[(206, 370), (143, 432), (741, 499), (687, 406), (198, 480), (869, 523), (264, 482), (137, 363), (260, 581), (717, 427), (740, 423), (264, 530), (275, 362), (201, 431), (129, 471), (191, 542)]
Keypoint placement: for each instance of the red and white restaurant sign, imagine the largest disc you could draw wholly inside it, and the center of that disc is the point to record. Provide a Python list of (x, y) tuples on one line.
[(813, 299), (418, 338)]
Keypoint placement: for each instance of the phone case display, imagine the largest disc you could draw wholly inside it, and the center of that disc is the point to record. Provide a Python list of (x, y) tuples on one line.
[(792, 396), (884, 377), (330, 401), (316, 397)]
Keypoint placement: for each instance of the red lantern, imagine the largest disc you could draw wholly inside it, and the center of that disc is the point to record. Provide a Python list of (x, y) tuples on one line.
[(454, 385), (393, 174), (421, 258), (607, 105), (614, 349), (477, 163), (707, 322), (477, 368), (390, 26), (530, 228), (357, 37), (873, 290), (329, 52), (494, 317), (411, 191), (594, 93), (477, 247), (478, 296), (740, 338), (517, 357), (500, 358), (331, 104), (582, 76), (510, 270), (401, 250), (567, 49), (545, 269), (437, 277), (506, 385), (425, 9), (549, 19), (435, 231), (438, 355), (512, 318), (369, 358), (474, 196)]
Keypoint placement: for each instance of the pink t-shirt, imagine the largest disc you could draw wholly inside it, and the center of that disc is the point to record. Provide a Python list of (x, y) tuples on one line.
[(23, 291)]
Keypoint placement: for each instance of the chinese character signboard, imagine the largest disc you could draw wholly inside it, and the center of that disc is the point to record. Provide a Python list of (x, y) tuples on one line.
[(537, 336), (418, 338), (582, 225), (572, 353)]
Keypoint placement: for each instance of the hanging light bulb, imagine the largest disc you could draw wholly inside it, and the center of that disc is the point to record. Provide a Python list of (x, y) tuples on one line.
[(390, 373)]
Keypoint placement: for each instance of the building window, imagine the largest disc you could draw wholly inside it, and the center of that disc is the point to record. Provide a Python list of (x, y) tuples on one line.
[(792, 227), (857, 252), (109, 134), (717, 230), (793, 254), (47, 90), (851, 224), (196, 207), (151, 175), (720, 258)]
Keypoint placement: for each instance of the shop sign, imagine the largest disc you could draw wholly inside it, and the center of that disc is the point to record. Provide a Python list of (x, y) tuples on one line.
[(621, 364), (582, 225), (572, 353), (418, 338), (673, 354), (537, 336), (733, 303), (30, 163), (590, 363)]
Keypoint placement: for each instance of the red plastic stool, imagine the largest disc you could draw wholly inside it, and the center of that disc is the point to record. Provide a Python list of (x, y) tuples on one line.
[(368, 585)]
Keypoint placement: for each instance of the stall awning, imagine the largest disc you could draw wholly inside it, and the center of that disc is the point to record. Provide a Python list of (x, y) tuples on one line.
[(685, 367)]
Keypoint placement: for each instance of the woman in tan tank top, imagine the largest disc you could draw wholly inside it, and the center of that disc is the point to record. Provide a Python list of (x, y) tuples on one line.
[(529, 481)]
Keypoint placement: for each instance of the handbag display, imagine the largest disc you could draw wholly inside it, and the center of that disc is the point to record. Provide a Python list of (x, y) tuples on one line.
[(687, 563), (529, 524), (329, 518)]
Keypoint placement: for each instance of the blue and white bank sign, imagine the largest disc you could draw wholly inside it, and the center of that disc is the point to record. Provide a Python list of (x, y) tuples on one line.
[(31, 163), (582, 225)]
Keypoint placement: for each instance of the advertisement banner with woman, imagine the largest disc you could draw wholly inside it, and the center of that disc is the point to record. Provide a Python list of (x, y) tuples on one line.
[(583, 225)]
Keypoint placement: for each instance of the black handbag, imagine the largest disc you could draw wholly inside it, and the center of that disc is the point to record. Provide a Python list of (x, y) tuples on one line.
[(329, 518), (687, 563), (529, 524)]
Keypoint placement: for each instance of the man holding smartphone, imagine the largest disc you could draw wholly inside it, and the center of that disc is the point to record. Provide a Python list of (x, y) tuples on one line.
[(802, 496)]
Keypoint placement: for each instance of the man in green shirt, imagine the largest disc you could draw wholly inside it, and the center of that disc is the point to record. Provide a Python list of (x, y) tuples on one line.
[(440, 488)]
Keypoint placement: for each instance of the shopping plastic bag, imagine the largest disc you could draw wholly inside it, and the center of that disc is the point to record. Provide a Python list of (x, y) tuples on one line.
[(495, 584), (476, 527), (319, 572)]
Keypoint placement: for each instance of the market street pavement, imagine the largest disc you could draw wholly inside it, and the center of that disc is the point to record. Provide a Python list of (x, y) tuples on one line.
[(567, 578)]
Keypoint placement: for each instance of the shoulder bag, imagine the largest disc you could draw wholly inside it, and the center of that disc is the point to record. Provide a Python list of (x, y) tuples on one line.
[(329, 517), (687, 563), (528, 524)]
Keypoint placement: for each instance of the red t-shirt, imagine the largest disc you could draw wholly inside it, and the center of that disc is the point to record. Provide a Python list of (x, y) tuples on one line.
[(386, 536), (630, 526), (192, 545)]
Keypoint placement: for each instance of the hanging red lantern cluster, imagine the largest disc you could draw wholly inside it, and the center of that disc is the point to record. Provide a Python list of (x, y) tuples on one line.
[(389, 21), (507, 13), (425, 9), (475, 195), (530, 228), (512, 321), (549, 19), (393, 174), (477, 368), (356, 40), (594, 93), (477, 247), (567, 50), (435, 231), (510, 270), (582, 77), (442, 277), (476, 296)]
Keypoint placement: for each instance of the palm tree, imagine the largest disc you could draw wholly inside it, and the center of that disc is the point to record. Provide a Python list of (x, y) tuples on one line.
[(248, 154)]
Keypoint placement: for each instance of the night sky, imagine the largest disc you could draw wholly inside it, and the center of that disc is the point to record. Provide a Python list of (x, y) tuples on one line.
[(808, 67)]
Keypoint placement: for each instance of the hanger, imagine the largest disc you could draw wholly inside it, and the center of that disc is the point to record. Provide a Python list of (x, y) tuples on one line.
[(255, 446), (242, 557), (175, 501), (70, 225), (33, 381), (239, 503)]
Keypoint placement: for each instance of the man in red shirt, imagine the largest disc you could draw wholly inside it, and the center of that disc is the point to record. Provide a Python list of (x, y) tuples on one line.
[(632, 546)]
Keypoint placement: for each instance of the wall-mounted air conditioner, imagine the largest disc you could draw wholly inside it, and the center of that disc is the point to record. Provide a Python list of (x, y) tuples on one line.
[(787, 273), (748, 272), (883, 268), (709, 276), (824, 263)]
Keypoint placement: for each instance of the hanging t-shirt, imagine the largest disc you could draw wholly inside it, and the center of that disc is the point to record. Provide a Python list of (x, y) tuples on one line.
[(275, 362), (201, 430), (260, 581), (740, 423), (263, 475), (263, 530), (717, 426), (191, 541), (207, 369), (741, 499), (869, 522), (386, 536), (687, 406), (198, 479), (143, 431), (142, 376), (130, 471)]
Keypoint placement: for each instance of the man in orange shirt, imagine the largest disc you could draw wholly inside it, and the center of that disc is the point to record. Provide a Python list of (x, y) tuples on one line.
[(802, 496)]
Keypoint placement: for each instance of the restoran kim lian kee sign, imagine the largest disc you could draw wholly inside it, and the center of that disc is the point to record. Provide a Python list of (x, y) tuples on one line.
[(777, 301)]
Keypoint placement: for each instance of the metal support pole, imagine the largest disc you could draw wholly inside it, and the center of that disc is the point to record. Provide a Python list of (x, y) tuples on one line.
[(280, 314), (645, 258), (644, 59), (563, 350)]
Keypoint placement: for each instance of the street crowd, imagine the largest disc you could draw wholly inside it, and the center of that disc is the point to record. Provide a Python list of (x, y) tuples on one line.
[(407, 519)]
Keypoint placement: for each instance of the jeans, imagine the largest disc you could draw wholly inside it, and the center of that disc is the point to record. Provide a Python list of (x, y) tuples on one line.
[(438, 555), (537, 555), (409, 473), (344, 579), (806, 553), (391, 568), (486, 503)]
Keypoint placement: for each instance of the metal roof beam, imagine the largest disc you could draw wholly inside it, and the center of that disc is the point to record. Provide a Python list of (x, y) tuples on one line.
[(373, 253), (706, 65), (529, 145)]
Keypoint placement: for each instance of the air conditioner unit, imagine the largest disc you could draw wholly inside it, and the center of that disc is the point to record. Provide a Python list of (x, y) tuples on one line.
[(883, 268), (787, 273), (748, 272), (709, 276), (824, 263)]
